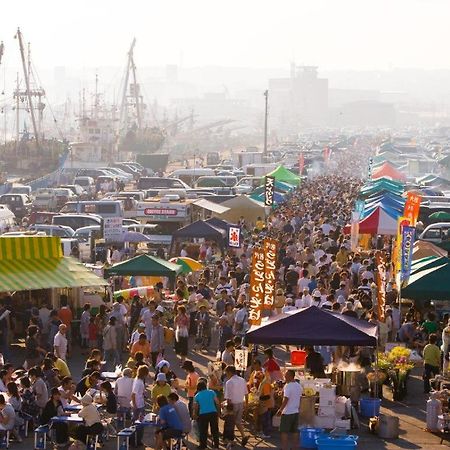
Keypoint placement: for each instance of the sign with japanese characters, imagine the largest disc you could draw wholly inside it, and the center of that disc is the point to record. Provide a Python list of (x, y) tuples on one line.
[(408, 234), (240, 359), (270, 261), (113, 230), (257, 279), (412, 207), (269, 186), (234, 237), (380, 258)]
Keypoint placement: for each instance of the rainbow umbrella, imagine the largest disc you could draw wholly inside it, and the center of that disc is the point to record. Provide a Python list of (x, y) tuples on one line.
[(187, 264), (142, 291)]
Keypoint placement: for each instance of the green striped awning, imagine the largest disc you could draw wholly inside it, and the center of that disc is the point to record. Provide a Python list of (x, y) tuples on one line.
[(45, 273), (30, 247)]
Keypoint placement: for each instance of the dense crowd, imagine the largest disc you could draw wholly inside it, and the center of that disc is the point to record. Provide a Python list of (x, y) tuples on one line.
[(208, 312)]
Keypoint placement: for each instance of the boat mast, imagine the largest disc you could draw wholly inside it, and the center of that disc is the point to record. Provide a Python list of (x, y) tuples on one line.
[(28, 91), (124, 105), (17, 111), (136, 94)]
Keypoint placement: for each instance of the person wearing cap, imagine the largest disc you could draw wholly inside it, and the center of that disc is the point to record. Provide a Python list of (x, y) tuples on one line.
[(161, 387), (317, 298), (289, 304), (156, 339), (164, 367), (136, 333), (92, 421), (124, 387)]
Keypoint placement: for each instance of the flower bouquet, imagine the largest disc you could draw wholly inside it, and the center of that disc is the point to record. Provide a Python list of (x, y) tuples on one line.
[(396, 365)]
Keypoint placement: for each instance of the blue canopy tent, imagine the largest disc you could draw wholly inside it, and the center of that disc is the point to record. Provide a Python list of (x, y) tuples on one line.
[(313, 326), (277, 197)]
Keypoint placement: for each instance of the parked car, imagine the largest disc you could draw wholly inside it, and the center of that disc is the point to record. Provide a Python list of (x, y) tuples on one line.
[(145, 183), (77, 190), (76, 221), (20, 189), (53, 230), (437, 233), (45, 200), (19, 204)]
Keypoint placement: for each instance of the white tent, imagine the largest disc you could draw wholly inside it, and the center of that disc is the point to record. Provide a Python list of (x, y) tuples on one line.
[(243, 206)]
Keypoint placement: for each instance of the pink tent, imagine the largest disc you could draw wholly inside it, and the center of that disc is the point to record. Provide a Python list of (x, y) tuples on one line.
[(388, 171)]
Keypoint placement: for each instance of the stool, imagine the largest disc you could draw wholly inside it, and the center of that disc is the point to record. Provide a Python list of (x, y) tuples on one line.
[(122, 414), (40, 437), (27, 419), (91, 441), (123, 438), (4, 439)]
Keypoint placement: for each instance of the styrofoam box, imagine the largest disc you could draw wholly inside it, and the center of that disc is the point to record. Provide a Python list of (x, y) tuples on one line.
[(326, 411), (327, 401), (345, 424), (324, 422), (328, 391)]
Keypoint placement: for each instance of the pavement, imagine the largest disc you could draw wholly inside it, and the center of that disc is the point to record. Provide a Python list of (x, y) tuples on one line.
[(411, 412)]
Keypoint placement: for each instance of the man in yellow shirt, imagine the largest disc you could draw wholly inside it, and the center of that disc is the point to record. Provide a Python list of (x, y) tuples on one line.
[(60, 365), (431, 360)]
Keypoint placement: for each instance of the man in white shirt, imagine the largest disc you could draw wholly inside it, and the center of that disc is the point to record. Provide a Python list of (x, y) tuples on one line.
[(235, 392), (60, 342), (289, 410), (123, 388), (305, 301)]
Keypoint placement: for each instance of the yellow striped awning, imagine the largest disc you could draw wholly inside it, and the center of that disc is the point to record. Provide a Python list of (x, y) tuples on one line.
[(30, 247), (45, 273)]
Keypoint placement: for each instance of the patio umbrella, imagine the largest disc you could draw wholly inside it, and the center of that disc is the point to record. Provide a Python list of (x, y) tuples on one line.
[(187, 264), (440, 215), (135, 237)]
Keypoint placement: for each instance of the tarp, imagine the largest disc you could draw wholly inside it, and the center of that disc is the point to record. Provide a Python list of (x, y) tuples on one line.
[(279, 187), (210, 206), (427, 263), (46, 273), (285, 175), (379, 221), (429, 284), (144, 265), (313, 326), (277, 197), (424, 249), (37, 262), (389, 171), (218, 223), (200, 229), (244, 206)]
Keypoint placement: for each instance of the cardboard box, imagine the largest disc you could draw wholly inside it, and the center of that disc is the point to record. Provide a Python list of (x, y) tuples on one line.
[(325, 411)]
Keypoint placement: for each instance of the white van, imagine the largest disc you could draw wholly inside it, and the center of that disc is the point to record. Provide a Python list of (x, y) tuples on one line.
[(103, 208), (76, 221), (437, 233)]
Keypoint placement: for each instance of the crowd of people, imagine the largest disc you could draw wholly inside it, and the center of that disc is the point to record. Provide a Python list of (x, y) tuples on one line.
[(209, 313)]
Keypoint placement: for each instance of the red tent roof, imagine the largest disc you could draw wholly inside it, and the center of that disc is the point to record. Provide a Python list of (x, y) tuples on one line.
[(389, 171), (377, 222)]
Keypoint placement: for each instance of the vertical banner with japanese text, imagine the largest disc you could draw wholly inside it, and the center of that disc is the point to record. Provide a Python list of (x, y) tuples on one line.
[(257, 278), (270, 258), (412, 207), (269, 187), (381, 283), (301, 163), (408, 234)]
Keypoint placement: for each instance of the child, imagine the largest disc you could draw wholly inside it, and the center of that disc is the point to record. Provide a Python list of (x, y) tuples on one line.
[(228, 425), (93, 333), (109, 399)]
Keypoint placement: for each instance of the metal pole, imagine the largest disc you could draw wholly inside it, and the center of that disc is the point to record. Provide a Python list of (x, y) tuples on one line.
[(266, 95)]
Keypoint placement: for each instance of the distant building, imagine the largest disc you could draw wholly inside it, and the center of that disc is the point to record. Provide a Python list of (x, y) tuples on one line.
[(364, 114), (300, 100)]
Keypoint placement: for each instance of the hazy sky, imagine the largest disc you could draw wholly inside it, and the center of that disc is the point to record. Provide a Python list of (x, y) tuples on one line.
[(333, 34)]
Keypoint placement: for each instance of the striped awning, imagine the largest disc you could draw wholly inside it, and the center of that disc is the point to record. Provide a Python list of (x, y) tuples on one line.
[(30, 247), (45, 273)]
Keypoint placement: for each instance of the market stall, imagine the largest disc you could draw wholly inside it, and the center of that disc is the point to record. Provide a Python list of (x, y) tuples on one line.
[(314, 326), (145, 265)]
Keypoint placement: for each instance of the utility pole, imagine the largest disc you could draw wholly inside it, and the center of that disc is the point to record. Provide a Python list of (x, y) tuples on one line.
[(266, 95)]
